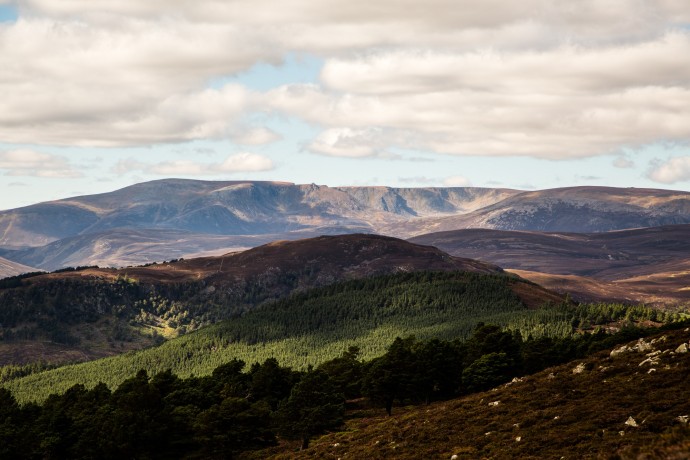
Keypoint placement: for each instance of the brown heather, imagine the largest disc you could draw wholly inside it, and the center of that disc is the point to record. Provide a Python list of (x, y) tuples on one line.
[(555, 414)]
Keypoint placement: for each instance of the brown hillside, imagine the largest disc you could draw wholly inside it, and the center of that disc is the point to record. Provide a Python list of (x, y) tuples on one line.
[(648, 265), (577, 410)]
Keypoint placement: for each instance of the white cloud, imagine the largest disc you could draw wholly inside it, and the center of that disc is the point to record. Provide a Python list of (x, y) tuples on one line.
[(673, 170), (456, 181), (255, 136), (240, 162), (246, 162), (24, 162), (565, 102), (346, 142)]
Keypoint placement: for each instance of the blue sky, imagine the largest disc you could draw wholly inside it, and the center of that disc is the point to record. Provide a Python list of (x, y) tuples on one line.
[(98, 97)]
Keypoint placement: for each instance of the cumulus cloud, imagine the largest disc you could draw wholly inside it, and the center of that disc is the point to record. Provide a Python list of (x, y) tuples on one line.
[(565, 102), (24, 162), (676, 169), (240, 162), (346, 142)]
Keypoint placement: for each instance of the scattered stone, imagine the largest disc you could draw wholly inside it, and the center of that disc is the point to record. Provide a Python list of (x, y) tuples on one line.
[(516, 425), (337, 444), (579, 369), (454, 457), (494, 403), (683, 419), (557, 417), (631, 422), (518, 439), (488, 433), (654, 353), (651, 361), (551, 376), (622, 433), (619, 351), (660, 339), (683, 348), (651, 370), (641, 346)]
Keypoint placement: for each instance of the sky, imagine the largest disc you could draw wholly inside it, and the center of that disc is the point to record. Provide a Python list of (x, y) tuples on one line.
[(96, 95)]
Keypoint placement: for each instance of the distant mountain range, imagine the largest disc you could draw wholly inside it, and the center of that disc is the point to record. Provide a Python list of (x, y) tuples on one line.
[(174, 218)]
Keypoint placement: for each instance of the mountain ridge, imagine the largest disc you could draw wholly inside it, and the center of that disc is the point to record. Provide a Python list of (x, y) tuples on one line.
[(172, 218)]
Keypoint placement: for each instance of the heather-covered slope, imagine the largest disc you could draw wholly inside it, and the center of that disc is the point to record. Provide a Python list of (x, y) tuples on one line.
[(642, 265), (631, 403)]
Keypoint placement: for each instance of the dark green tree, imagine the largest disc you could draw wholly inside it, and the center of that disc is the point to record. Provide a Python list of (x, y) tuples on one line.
[(314, 406), (345, 372), (487, 372), (270, 382), (232, 426), (392, 376)]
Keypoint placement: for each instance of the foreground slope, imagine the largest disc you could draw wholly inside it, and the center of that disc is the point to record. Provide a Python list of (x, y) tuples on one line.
[(642, 265), (630, 403)]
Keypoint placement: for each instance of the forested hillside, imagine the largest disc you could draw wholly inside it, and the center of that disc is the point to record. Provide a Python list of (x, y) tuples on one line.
[(312, 327), (96, 311)]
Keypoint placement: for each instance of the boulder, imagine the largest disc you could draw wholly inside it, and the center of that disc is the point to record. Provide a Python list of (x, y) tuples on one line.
[(641, 346), (619, 351), (631, 422), (579, 369)]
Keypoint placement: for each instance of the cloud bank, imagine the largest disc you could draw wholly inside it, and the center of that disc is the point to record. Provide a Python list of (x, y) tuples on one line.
[(533, 78)]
